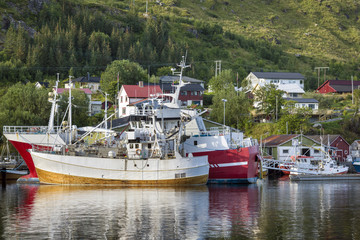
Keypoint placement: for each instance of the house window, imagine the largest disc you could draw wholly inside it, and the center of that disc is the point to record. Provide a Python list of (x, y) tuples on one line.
[(191, 93), (121, 99), (195, 93), (285, 151), (126, 99), (312, 106), (184, 93), (123, 111)]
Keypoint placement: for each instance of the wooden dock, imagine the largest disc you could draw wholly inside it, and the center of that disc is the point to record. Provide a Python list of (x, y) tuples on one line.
[(333, 177)]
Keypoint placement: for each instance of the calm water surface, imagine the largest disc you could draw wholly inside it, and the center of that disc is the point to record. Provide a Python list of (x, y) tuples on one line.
[(270, 209)]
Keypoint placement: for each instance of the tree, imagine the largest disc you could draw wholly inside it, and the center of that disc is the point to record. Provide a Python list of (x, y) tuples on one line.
[(80, 107), (24, 105), (236, 108), (129, 73), (293, 120), (224, 80), (269, 99)]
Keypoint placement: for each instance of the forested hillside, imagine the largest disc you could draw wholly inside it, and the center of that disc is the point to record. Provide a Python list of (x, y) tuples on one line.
[(42, 37)]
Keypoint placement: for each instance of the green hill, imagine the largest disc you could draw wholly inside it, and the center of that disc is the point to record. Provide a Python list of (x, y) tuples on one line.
[(82, 36)]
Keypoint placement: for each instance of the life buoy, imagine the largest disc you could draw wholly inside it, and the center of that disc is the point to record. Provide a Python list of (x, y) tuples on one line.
[(138, 151)]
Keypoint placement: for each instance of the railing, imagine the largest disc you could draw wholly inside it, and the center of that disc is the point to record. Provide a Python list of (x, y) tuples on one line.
[(30, 129), (140, 112)]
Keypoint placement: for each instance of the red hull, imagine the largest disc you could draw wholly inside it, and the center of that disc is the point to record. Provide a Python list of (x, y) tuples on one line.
[(22, 148), (233, 165)]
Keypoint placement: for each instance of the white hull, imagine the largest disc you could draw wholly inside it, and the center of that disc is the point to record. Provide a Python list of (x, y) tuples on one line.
[(60, 169)]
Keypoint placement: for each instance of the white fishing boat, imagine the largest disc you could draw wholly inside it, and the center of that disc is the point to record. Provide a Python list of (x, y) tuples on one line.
[(144, 157), (316, 166)]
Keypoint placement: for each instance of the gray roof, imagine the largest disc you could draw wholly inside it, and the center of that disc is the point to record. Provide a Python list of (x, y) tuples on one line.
[(278, 75), (87, 79), (187, 87), (176, 78), (302, 100)]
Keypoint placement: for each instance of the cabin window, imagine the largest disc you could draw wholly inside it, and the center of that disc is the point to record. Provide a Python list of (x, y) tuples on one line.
[(285, 151), (195, 143), (131, 146), (316, 151), (149, 145), (136, 145)]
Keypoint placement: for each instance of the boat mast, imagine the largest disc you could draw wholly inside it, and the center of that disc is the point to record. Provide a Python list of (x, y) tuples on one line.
[(53, 107), (70, 118)]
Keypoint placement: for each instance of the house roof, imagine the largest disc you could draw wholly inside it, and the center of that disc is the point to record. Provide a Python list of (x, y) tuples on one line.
[(134, 91), (290, 88), (45, 84), (87, 79), (187, 87), (341, 85), (302, 100), (279, 75), (326, 138), (85, 90), (176, 78), (276, 140)]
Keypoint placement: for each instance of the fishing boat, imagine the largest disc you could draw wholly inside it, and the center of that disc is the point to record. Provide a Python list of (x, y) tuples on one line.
[(145, 156), (317, 166)]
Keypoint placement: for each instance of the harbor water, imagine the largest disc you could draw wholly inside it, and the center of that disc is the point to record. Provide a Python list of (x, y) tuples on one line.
[(269, 209)]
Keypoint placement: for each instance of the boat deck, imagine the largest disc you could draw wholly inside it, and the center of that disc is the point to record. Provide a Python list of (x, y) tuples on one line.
[(333, 177)]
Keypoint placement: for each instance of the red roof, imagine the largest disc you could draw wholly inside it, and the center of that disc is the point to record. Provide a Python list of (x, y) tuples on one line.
[(85, 90), (134, 91)]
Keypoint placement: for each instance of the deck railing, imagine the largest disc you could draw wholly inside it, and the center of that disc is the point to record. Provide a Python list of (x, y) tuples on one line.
[(30, 129)]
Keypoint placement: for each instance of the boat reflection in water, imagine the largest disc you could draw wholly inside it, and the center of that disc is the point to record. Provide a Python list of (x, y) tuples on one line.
[(68, 212)]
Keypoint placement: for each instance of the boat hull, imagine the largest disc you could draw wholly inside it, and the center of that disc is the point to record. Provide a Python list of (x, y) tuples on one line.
[(22, 143), (357, 166), (59, 169), (233, 165)]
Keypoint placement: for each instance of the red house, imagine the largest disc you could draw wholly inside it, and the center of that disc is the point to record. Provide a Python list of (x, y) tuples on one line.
[(339, 146), (338, 86)]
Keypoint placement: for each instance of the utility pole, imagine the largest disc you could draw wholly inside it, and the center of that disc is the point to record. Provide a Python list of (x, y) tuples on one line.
[(352, 89), (319, 69), (276, 110), (217, 67)]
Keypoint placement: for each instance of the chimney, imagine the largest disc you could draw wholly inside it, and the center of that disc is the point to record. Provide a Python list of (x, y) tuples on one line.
[(141, 84)]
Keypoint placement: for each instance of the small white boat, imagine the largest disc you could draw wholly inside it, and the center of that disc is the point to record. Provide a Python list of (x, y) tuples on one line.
[(314, 166)]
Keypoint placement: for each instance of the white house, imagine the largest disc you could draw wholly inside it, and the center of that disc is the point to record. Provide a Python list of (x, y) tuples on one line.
[(311, 103), (277, 78), (130, 94)]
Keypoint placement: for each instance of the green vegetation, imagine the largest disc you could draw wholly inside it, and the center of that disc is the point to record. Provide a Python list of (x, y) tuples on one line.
[(77, 37)]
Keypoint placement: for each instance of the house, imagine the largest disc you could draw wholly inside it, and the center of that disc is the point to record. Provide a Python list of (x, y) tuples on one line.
[(41, 85), (93, 83), (339, 147), (282, 147), (354, 149), (338, 86), (130, 94), (189, 94), (276, 78), (305, 102)]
